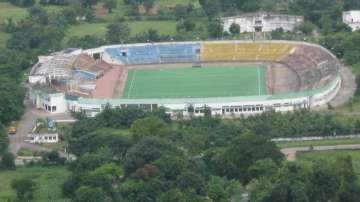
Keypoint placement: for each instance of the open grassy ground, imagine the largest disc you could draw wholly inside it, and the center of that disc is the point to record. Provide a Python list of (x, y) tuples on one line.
[(185, 82), (177, 2), (99, 29), (7, 10), (318, 142), (48, 181), (332, 156), (3, 38)]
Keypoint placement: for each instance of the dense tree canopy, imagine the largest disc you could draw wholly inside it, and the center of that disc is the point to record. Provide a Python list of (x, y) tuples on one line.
[(322, 181), (131, 155), (4, 140), (24, 188)]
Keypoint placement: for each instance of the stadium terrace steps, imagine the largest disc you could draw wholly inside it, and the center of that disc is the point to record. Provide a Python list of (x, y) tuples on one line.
[(314, 66), (174, 53), (155, 54), (178, 53), (244, 51)]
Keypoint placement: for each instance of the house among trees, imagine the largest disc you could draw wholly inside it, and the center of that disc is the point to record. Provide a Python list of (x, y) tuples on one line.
[(262, 22), (352, 19)]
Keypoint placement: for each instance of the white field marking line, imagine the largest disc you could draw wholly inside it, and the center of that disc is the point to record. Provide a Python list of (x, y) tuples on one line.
[(224, 70), (132, 83), (258, 70)]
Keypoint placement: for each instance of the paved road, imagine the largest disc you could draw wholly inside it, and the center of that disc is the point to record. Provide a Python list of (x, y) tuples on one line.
[(290, 153), (26, 124), (348, 87)]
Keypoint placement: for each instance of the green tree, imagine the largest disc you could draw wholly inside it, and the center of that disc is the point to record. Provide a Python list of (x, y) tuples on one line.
[(149, 4), (306, 28), (263, 168), (217, 189), (149, 126), (190, 181), (24, 188), (211, 7), (90, 194), (291, 184), (110, 5), (117, 33), (103, 177), (53, 158), (173, 195), (349, 189), (11, 100), (23, 3), (215, 28), (186, 25), (234, 29), (88, 3), (243, 152), (8, 161), (170, 166), (147, 150), (4, 140)]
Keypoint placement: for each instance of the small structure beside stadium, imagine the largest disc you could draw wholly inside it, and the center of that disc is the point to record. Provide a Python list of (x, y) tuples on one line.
[(231, 78), (352, 19), (49, 138), (44, 132), (263, 22)]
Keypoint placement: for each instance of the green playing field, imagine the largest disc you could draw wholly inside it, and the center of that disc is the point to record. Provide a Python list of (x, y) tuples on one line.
[(186, 82)]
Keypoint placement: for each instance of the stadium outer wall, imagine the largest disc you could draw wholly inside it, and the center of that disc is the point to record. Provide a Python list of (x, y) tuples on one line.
[(321, 92)]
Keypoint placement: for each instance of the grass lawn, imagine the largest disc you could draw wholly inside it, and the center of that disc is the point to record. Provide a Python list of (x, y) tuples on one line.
[(176, 2), (332, 156), (48, 182), (318, 142), (3, 38), (183, 82), (99, 29), (7, 10)]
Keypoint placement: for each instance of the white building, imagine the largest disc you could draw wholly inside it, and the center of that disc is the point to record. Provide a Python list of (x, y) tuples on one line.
[(52, 102), (263, 22), (43, 138), (227, 106), (352, 19)]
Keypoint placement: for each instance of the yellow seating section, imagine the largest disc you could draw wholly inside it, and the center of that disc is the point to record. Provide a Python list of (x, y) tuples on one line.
[(244, 51)]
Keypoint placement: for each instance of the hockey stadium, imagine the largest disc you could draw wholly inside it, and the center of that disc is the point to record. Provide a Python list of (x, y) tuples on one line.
[(231, 78)]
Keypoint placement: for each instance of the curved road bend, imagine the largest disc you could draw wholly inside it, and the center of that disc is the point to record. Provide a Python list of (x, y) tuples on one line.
[(290, 153)]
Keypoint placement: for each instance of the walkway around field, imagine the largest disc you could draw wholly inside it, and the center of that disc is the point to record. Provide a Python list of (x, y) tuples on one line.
[(348, 87), (290, 153)]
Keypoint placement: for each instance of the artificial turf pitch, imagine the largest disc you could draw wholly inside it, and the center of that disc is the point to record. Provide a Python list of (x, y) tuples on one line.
[(187, 82)]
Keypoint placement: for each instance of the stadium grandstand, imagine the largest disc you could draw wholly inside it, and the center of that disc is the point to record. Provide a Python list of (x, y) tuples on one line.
[(229, 77)]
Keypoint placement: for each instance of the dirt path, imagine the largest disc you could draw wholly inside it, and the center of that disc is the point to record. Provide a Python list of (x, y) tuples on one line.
[(290, 153)]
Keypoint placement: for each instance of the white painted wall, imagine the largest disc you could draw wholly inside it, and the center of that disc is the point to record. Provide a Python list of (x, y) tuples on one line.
[(43, 138), (54, 103), (352, 19), (269, 22), (37, 79)]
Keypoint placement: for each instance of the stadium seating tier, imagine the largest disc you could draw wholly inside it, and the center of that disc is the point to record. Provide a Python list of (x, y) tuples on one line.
[(313, 65)]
